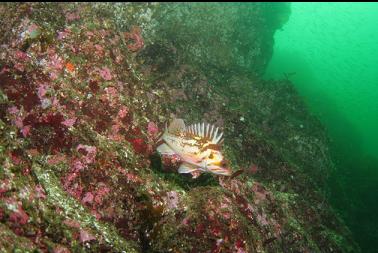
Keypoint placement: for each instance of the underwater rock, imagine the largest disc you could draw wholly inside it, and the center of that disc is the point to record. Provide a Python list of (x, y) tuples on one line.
[(80, 110)]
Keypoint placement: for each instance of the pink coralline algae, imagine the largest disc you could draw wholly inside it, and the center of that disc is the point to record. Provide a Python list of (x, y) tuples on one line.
[(20, 67), (56, 62), (40, 192), (4, 186), (21, 55), (260, 193), (90, 155), (99, 50), (105, 74), (85, 236), (4, 70), (135, 35), (63, 34), (101, 193), (42, 91), (253, 169), (13, 110), (61, 249), (71, 223), (69, 122), (77, 166), (152, 128), (123, 112), (26, 131), (88, 198), (71, 16), (19, 216), (55, 159)]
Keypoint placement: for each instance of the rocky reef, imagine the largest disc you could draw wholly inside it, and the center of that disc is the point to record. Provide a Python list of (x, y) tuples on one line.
[(85, 90)]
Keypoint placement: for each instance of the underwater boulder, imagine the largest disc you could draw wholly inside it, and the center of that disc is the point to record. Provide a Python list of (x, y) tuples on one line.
[(80, 85)]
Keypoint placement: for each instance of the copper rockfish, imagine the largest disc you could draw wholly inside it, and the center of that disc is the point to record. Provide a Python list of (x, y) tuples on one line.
[(198, 146)]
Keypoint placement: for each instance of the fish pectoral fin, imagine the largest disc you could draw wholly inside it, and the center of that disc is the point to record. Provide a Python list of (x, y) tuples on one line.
[(164, 149), (186, 168)]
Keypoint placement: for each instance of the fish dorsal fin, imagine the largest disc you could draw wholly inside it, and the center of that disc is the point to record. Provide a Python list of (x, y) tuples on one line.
[(207, 131), (176, 127)]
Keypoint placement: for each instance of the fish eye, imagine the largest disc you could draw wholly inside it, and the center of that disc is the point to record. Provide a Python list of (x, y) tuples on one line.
[(211, 156)]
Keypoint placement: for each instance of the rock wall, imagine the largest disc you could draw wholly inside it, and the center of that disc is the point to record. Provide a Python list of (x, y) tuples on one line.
[(85, 90)]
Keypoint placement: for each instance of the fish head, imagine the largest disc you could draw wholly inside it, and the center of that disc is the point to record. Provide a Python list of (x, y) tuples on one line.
[(215, 163)]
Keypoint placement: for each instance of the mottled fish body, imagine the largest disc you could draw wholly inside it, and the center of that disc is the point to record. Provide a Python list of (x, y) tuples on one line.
[(198, 146)]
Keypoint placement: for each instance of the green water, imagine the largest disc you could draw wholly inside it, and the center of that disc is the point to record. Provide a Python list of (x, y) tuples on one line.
[(330, 52)]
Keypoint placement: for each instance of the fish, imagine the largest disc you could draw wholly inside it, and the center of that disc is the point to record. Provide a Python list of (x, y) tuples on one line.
[(198, 146)]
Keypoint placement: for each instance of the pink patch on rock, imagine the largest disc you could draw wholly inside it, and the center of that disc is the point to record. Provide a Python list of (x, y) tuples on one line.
[(26, 130), (4, 186), (55, 159), (88, 198), (42, 91), (262, 219), (185, 221), (105, 73), (13, 110), (63, 34), (40, 192), (75, 190), (19, 216), (3, 70), (18, 122), (69, 122), (135, 35), (99, 50), (90, 153), (253, 169), (152, 128), (85, 236), (20, 67), (77, 166), (71, 223), (123, 112), (260, 193), (32, 152), (26, 171), (101, 193), (56, 62), (71, 16), (21, 55), (133, 178), (61, 249)]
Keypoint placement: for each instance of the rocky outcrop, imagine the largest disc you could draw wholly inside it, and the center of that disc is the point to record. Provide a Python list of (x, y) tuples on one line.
[(85, 90)]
